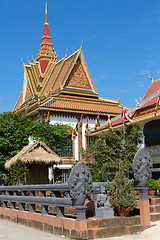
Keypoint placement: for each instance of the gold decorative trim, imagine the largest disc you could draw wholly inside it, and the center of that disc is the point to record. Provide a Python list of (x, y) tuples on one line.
[(47, 43), (31, 78), (46, 36), (46, 78), (57, 73), (88, 70)]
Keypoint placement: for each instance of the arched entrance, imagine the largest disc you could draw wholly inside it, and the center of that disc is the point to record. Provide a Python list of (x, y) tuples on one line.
[(151, 133)]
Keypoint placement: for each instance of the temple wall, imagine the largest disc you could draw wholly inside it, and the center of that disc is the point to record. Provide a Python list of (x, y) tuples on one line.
[(91, 126), (71, 121)]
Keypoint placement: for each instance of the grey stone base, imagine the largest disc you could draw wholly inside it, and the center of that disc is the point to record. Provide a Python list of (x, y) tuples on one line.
[(103, 212), (143, 191)]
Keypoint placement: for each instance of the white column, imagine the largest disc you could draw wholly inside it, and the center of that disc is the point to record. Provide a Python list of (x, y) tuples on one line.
[(76, 148), (50, 173), (83, 133)]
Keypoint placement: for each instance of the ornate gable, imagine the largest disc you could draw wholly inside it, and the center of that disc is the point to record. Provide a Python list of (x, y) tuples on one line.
[(78, 78)]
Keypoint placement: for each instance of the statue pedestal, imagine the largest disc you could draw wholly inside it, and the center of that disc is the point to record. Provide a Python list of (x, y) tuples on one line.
[(143, 191), (104, 212)]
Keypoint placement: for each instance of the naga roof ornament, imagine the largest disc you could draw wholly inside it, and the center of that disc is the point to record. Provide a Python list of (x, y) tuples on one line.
[(46, 52)]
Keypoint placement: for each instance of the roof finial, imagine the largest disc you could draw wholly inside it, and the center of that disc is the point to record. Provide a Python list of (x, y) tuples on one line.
[(22, 61), (137, 103), (46, 18), (151, 77), (66, 52), (33, 59)]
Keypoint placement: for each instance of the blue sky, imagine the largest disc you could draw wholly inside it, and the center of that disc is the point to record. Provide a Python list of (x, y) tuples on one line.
[(121, 43)]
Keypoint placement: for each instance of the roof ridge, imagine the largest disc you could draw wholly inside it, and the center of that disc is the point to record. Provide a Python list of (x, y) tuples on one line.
[(149, 88)]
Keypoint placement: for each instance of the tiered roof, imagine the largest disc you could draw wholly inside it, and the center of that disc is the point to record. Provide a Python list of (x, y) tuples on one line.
[(60, 85)]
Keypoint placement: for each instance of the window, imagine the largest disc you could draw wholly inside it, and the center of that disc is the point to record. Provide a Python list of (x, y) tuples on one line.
[(66, 149)]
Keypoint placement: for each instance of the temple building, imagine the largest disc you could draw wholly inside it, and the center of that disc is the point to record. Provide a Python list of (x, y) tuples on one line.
[(62, 91), (147, 112)]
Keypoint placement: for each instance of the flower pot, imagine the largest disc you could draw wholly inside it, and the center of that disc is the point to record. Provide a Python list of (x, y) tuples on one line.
[(122, 212), (62, 195), (151, 191)]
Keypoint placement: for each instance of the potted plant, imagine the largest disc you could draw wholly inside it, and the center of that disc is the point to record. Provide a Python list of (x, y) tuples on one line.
[(151, 184), (122, 194)]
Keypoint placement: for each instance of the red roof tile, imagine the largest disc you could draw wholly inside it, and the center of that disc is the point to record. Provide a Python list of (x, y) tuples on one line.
[(149, 103), (84, 106), (152, 89)]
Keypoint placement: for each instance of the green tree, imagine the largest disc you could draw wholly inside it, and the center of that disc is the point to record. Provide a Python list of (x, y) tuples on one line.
[(110, 149), (18, 174), (14, 132), (57, 136), (15, 129)]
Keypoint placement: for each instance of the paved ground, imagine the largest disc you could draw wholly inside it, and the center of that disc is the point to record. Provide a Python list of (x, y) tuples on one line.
[(13, 231)]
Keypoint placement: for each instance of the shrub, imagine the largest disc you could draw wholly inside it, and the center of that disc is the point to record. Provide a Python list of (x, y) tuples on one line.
[(18, 174), (158, 184), (151, 183), (122, 192)]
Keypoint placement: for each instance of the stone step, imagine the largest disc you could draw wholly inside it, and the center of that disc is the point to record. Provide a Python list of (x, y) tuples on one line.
[(154, 208), (155, 217), (154, 201), (107, 232), (95, 223)]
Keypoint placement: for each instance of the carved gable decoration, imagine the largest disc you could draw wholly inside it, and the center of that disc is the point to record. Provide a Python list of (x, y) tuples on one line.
[(28, 92), (78, 78)]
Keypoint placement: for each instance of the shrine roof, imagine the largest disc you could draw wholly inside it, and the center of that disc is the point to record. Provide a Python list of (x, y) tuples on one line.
[(155, 85), (148, 102), (66, 67), (82, 105), (19, 101), (46, 77)]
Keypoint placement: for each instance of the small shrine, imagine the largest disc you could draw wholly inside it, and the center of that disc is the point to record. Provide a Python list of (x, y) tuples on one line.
[(39, 157)]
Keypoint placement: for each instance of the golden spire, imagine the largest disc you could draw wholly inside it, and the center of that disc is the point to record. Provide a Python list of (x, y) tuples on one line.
[(46, 51), (46, 17)]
